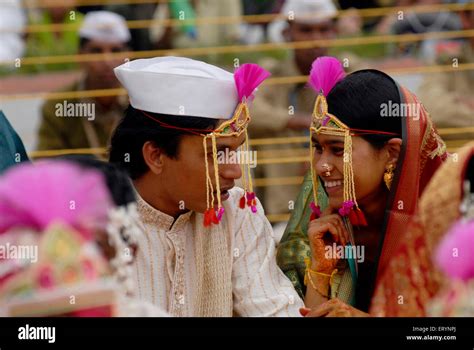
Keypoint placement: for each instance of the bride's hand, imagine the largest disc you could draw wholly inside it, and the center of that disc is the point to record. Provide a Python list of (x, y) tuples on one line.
[(323, 232), (333, 308)]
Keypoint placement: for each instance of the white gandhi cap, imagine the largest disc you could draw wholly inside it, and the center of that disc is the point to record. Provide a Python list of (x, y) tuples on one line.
[(309, 11), (104, 26), (179, 86), (301, 11)]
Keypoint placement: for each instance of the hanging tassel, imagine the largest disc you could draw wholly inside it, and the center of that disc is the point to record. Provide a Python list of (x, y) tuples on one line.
[(253, 207), (346, 208), (353, 218), (207, 218), (357, 218), (361, 217), (220, 213), (242, 202), (214, 218), (209, 190), (250, 196), (252, 202), (315, 211)]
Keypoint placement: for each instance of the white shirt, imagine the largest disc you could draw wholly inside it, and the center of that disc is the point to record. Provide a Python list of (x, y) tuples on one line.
[(165, 267)]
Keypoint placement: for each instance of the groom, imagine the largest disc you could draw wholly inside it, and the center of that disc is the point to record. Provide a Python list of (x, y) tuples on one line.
[(208, 249)]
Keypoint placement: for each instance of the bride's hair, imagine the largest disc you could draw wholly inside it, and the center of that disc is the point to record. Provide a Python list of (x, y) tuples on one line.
[(358, 99)]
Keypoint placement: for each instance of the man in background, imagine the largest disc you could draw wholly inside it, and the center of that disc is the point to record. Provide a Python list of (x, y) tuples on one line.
[(89, 122), (448, 95)]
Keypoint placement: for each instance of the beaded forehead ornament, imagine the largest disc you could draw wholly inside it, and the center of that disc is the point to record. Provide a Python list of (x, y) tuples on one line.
[(247, 78), (326, 72)]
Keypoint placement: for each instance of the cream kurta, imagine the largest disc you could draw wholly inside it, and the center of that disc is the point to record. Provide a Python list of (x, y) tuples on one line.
[(166, 267)]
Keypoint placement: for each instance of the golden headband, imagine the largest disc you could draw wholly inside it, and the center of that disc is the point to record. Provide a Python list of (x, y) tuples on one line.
[(247, 78), (325, 73), (236, 126), (328, 124)]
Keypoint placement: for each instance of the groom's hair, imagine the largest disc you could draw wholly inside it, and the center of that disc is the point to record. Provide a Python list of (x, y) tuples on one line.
[(138, 127)]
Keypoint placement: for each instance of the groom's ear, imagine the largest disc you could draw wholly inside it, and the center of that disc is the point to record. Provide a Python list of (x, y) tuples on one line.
[(153, 157)]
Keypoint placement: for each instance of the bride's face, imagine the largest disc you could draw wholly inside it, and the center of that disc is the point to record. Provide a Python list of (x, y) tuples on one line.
[(368, 163)]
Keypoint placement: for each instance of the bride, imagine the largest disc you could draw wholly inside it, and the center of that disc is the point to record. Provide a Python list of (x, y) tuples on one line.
[(368, 170)]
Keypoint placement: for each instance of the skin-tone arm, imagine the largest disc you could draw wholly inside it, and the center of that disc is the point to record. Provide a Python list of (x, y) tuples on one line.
[(322, 232), (326, 230), (314, 298)]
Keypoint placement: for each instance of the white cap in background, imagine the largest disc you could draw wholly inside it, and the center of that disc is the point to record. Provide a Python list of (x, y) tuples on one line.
[(104, 26)]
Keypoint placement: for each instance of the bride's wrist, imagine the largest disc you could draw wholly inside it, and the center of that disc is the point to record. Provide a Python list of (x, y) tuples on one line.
[(317, 267)]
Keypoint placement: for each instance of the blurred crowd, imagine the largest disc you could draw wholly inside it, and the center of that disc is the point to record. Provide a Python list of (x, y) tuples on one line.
[(236, 26)]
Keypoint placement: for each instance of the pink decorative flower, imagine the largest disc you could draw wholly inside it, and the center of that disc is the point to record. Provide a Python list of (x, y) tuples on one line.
[(455, 253), (247, 78), (325, 72)]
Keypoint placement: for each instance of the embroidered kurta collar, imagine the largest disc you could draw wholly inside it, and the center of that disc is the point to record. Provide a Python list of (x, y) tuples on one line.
[(158, 219)]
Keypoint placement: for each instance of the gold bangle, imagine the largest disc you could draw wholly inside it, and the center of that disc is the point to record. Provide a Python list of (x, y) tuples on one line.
[(308, 277), (331, 276), (309, 270)]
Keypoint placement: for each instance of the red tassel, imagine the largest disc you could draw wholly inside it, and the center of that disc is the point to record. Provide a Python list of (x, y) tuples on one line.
[(353, 218), (214, 218), (242, 202), (315, 212), (357, 218), (361, 217), (207, 219)]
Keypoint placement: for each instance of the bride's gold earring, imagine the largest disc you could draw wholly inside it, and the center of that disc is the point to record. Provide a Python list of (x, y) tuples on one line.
[(388, 175)]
